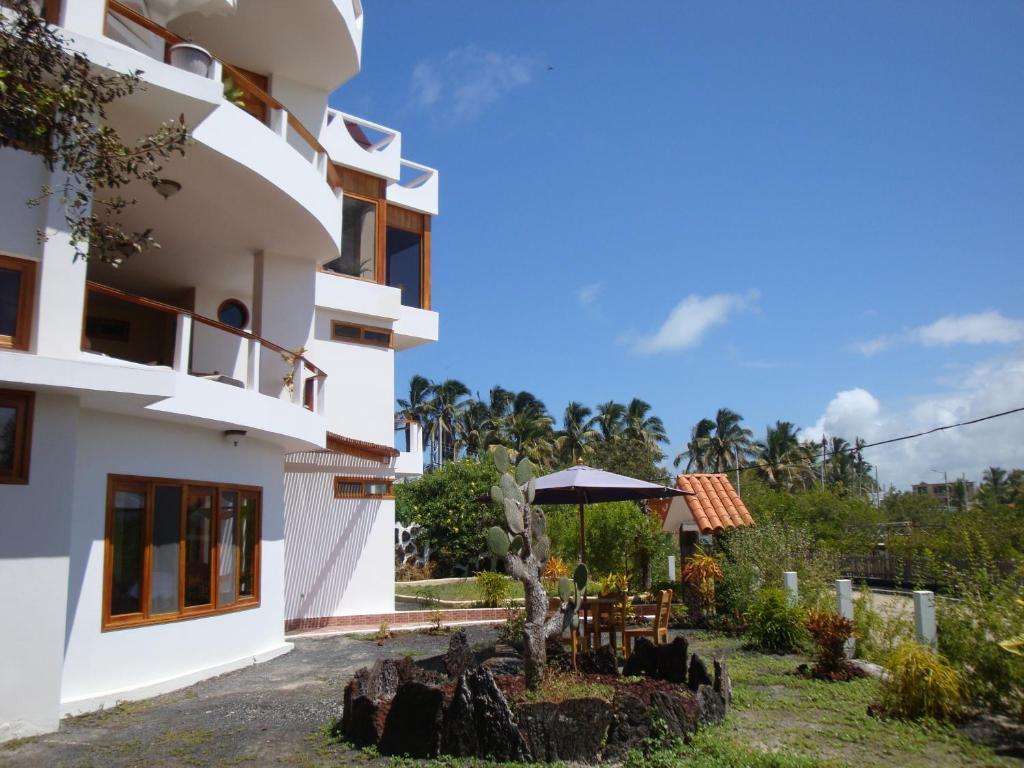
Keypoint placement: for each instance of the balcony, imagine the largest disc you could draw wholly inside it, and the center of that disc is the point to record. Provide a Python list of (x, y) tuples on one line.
[(121, 326), (362, 145), (409, 442), (416, 188)]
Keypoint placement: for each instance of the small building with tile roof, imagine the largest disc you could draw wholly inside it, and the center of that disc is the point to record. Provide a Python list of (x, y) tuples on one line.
[(710, 506)]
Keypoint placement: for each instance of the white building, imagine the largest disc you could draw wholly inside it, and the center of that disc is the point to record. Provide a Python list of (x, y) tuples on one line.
[(175, 483)]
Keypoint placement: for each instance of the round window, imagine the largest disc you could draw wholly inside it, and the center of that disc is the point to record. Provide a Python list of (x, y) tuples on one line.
[(233, 312)]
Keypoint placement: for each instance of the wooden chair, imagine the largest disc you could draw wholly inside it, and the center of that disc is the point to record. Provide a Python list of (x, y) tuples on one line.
[(659, 630), (608, 615)]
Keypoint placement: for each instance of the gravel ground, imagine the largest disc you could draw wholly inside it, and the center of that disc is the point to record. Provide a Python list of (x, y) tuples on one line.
[(269, 714)]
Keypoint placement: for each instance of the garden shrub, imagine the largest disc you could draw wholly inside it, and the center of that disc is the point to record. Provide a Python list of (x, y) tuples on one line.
[(878, 635), (494, 588), (920, 683), (830, 631), (734, 592), (513, 630), (774, 625), (984, 610)]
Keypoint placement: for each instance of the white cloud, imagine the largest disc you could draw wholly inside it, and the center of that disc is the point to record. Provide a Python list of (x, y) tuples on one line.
[(463, 83), (988, 327), (588, 293), (989, 387), (691, 319)]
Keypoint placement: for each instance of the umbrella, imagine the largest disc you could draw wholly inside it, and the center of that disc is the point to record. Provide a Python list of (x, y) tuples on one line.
[(585, 485)]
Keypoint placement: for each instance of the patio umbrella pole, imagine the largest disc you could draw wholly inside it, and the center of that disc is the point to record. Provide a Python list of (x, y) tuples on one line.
[(583, 545)]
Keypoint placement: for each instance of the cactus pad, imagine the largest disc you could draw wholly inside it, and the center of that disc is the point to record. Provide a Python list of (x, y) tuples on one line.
[(497, 541)]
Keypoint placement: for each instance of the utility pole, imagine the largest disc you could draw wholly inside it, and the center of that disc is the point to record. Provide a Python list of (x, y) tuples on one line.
[(823, 446)]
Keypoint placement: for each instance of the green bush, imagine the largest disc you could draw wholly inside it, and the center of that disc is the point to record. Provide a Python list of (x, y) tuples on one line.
[(734, 592), (773, 625), (494, 588), (513, 630), (920, 684), (444, 503), (878, 635)]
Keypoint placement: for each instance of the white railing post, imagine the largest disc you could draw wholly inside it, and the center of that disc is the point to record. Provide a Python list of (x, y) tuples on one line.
[(320, 161), (182, 343), (216, 71), (671, 567), (252, 371), (924, 617), (844, 607), (298, 380), (321, 382), (279, 122), (792, 591)]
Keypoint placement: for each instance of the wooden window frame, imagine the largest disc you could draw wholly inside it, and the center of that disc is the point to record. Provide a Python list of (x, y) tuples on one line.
[(419, 224), (361, 339), (23, 403), (148, 485), (363, 482), (26, 302)]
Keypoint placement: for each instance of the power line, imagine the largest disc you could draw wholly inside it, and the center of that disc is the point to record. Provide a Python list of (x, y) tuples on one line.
[(857, 448)]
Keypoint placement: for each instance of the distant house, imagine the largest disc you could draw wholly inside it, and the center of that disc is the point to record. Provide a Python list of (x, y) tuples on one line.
[(713, 507), (945, 493)]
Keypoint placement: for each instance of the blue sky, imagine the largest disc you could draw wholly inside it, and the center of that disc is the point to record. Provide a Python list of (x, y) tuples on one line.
[(808, 211)]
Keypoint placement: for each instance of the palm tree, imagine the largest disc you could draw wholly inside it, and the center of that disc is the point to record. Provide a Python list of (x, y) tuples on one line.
[(609, 419), (578, 433), (445, 406), (529, 429), (472, 427), (417, 406), (640, 426), (994, 481), (782, 461), (731, 444), (696, 453)]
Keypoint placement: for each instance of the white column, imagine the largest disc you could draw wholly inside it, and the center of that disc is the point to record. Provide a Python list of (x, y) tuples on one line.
[(298, 380), (252, 372), (924, 617), (183, 343), (844, 607), (283, 305), (792, 591), (279, 122), (321, 388), (671, 567), (60, 284)]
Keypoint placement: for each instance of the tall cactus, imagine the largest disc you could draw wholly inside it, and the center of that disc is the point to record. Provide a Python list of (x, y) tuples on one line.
[(524, 545)]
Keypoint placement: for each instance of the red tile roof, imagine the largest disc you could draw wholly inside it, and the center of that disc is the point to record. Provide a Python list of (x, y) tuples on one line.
[(714, 505), (360, 448)]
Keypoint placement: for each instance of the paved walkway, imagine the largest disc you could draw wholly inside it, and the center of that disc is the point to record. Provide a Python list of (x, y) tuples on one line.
[(270, 714)]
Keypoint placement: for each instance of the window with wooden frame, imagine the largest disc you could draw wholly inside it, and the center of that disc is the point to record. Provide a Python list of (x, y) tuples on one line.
[(360, 334), (177, 549), (363, 208), (363, 488), (16, 408), (407, 258), (17, 292)]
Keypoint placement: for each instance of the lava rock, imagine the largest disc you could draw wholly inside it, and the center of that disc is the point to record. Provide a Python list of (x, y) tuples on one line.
[(458, 731), (497, 735), (723, 683), (643, 660), (504, 665), (459, 657), (679, 714), (711, 705), (413, 724), (360, 723), (698, 674), (671, 660), (601, 661), (630, 726), (573, 730)]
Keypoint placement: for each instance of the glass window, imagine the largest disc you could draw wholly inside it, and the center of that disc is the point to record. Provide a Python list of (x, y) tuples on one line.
[(163, 583), (15, 435), (234, 313), (357, 334), (127, 540), (348, 488), (358, 239), (404, 265), (198, 546), (347, 332), (178, 550), (377, 489), (17, 282), (382, 338), (359, 488), (227, 555)]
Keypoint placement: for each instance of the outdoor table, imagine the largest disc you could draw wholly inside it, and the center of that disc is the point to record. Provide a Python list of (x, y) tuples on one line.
[(589, 609)]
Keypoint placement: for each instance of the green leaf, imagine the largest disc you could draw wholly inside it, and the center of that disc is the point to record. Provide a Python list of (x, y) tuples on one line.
[(501, 459), (497, 541)]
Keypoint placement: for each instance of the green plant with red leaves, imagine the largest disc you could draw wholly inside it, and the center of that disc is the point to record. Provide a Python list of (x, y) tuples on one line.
[(830, 633)]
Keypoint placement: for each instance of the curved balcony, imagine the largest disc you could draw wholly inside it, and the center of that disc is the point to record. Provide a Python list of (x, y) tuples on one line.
[(362, 145), (416, 188)]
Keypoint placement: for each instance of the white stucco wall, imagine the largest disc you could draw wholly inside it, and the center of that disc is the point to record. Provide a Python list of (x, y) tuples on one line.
[(109, 665), (339, 552), (35, 529)]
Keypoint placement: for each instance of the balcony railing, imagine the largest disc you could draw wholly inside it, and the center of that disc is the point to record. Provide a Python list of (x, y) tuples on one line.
[(280, 119), (415, 188), (305, 380), (363, 145)]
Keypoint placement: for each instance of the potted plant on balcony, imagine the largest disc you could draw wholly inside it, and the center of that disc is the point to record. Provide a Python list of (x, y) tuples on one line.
[(192, 58)]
